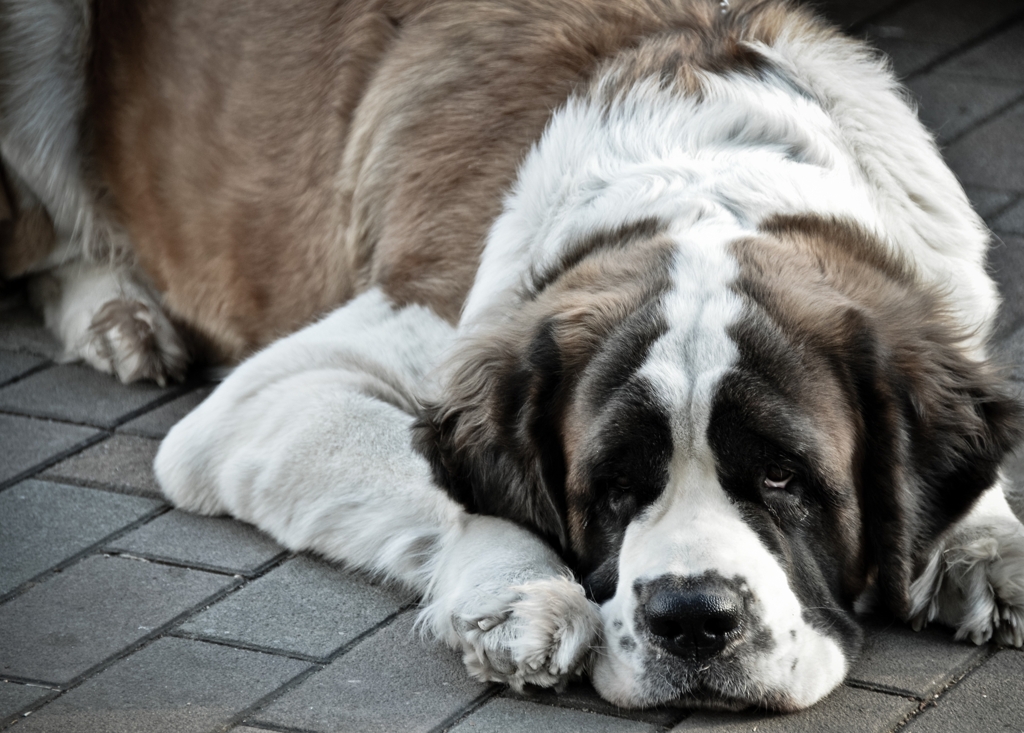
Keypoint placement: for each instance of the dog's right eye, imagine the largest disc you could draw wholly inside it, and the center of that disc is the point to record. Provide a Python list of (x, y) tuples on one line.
[(620, 494), (777, 477)]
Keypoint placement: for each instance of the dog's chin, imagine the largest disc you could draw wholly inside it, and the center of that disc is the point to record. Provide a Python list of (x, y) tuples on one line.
[(620, 684)]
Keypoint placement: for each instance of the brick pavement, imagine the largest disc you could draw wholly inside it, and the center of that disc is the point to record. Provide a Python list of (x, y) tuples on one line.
[(120, 614)]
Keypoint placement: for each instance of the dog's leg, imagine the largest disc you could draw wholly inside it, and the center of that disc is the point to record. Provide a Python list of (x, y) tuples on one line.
[(309, 440), (974, 579), (106, 318)]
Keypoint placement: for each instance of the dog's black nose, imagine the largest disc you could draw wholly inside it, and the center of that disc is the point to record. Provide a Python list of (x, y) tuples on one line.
[(694, 623)]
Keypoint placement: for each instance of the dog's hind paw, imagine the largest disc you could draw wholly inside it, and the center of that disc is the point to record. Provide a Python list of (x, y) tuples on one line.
[(974, 582), (134, 340), (539, 633)]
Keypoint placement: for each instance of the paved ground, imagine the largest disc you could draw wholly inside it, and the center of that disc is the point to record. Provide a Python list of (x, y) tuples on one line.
[(120, 614)]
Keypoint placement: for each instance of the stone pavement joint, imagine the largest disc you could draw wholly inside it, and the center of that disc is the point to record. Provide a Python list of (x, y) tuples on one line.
[(302, 608), (214, 544), (72, 523), (32, 445), (122, 463), (969, 44)]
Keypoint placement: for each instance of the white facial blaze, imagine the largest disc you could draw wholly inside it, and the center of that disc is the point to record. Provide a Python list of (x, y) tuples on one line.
[(694, 527)]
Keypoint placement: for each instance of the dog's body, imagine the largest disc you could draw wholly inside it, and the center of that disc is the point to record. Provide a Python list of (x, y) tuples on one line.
[(680, 289)]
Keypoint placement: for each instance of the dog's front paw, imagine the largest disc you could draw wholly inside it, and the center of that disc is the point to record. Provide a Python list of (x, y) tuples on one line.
[(539, 633), (134, 340), (974, 582)]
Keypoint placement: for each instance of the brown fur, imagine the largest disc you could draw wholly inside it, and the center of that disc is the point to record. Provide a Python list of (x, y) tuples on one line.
[(521, 376), (26, 233), (272, 159)]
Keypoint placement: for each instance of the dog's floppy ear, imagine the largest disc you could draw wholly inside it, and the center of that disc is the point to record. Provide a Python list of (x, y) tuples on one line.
[(937, 424), (493, 440)]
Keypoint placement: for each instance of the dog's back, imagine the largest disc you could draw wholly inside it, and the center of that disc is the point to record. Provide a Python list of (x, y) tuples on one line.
[(269, 160)]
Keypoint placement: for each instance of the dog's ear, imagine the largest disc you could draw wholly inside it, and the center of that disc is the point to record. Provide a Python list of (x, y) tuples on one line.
[(493, 438), (937, 424)]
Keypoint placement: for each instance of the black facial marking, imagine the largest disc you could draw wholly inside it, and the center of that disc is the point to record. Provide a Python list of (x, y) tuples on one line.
[(770, 462), (625, 471), (601, 582)]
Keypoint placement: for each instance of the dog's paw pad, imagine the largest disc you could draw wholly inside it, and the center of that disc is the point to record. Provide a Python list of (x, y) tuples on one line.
[(542, 635), (135, 340)]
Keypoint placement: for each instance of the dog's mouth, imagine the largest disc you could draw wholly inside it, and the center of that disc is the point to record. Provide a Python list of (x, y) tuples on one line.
[(648, 672), (717, 684), (713, 691)]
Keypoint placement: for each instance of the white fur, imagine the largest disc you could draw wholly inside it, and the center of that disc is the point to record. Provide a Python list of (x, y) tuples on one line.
[(309, 440), (74, 296), (106, 318), (681, 535), (974, 579), (833, 137)]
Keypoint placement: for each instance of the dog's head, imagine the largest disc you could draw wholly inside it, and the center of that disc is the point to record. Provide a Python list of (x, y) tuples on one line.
[(729, 438)]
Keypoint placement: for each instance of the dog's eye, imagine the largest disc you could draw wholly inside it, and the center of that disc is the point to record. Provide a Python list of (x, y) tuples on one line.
[(777, 477), (620, 495)]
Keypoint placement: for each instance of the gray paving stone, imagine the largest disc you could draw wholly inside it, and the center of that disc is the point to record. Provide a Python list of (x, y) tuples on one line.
[(988, 201), (58, 629), (920, 33), (951, 104), (915, 664), (991, 154), (14, 698), (171, 686), (1006, 262), (501, 716), (947, 22), (13, 364), (848, 12), (393, 681), (989, 699), (582, 696), (1013, 469), (42, 524), (305, 606), (908, 57), (847, 710), (27, 442), (80, 394), (216, 543), (999, 57), (1011, 220), (23, 330), (122, 462), (157, 423)]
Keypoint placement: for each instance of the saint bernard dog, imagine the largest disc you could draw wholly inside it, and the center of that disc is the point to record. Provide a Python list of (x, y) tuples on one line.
[(658, 341)]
